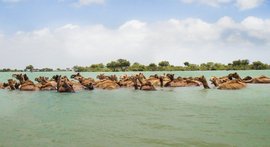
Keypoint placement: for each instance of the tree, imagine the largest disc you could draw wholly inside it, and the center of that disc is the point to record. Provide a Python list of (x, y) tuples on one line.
[(164, 63), (236, 63), (258, 65), (98, 66), (245, 62), (76, 69), (113, 65), (193, 67), (137, 67), (123, 64), (186, 63), (46, 70), (152, 67), (30, 68)]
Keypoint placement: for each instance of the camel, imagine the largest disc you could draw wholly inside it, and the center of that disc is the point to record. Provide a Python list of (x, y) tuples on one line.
[(232, 85), (181, 82), (155, 80), (86, 82), (204, 82), (126, 81), (144, 84), (140, 82), (219, 80), (257, 80), (63, 84), (102, 77), (11, 85), (228, 85), (248, 79), (45, 85), (25, 83), (231, 82), (107, 82)]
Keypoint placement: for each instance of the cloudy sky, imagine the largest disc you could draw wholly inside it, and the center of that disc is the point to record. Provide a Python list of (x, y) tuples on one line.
[(64, 33)]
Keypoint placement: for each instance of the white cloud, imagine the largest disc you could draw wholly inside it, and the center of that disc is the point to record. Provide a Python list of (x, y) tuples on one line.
[(175, 40), (241, 4), (248, 4), (89, 2)]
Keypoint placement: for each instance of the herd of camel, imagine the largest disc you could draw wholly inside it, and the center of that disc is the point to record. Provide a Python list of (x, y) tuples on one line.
[(139, 82)]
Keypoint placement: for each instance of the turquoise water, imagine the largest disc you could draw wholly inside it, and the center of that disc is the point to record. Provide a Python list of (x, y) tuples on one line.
[(125, 117)]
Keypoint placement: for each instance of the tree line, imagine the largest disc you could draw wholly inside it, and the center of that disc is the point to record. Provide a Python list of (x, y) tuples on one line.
[(125, 65), (30, 68)]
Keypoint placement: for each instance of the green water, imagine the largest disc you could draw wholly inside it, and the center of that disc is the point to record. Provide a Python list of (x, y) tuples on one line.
[(125, 117)]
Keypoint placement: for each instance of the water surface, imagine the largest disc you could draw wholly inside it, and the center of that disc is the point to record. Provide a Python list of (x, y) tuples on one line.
[(125, 117)]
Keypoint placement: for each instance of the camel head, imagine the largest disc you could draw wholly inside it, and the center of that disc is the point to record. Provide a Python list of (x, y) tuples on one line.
[(170, 76), (154, 76), (5, 85), (234, 75), (39, 80), (203, 80), (12, 84), (25, 77), (179, 78), (113, 78), (141, 75), (19, 77), (101, 77), (248, 78), (56, 78), (76, 76), (214, 80)]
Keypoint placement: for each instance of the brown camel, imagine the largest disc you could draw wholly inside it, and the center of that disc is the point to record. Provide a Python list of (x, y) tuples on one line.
[(106, 84), (232, 85), (181, 82), (45, 84), (25, 83), (231, 82), (11, 85), (220, 80), (204, 82), (144, 84), (86, 82), (257, 80), (126, 81), (63, 84)]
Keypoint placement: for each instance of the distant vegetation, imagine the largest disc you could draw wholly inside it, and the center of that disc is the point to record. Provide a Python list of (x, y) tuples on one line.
[(30, 68), (125, 65)]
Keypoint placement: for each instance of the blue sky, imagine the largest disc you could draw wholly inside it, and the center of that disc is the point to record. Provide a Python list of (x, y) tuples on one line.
[(133, 29), (33, 14)]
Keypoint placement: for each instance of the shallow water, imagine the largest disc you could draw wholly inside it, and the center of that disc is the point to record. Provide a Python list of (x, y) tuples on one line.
[(125, 117)]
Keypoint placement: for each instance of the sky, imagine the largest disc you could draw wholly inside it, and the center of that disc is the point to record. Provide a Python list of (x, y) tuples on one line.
[(64, 33)]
